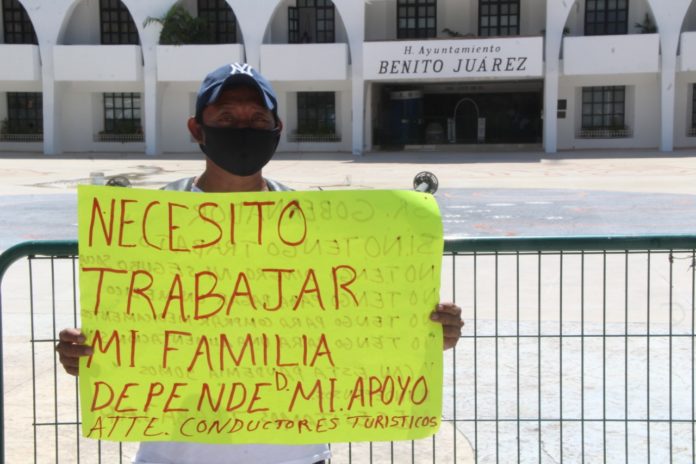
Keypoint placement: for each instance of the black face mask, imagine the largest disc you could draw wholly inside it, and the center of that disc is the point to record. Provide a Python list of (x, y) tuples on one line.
[(241, 152)]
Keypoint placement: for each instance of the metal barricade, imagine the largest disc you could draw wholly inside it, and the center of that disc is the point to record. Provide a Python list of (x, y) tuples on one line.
[(575, 350)]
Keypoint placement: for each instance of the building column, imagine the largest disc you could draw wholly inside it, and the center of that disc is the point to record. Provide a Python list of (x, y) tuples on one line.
[(667, 100), (550, 110), (358, 115), (353, 16), (149, 39), (152, 109), (669, 16), (51, 97), (253, 19), (367, 124), (556, 16)]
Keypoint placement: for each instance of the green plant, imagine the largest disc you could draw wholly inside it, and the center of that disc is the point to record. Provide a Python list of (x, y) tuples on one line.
[(648, 26), (124, 127), (7, 129), (452, 33), (179, 27)]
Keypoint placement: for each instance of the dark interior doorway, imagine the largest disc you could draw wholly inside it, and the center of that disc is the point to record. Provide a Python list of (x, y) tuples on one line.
[(489, 113)]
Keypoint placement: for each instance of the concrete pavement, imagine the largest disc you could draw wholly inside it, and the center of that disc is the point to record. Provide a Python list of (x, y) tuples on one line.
[(626, 171)]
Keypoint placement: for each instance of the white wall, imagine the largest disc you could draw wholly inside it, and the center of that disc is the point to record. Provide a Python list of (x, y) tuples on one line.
[(457, 15), (20, 86), (377, 26), (617, 54), (177, 107), (278, 27), (83, 26), (642, 99), (287, 104), (533, 17), (460, 16), (690, 20), (82, 116), (636, 14)]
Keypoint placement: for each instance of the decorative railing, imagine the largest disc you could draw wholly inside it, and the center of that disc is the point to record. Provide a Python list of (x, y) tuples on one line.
[(21, 137), (601, 133), (122, 138), (314, 138)]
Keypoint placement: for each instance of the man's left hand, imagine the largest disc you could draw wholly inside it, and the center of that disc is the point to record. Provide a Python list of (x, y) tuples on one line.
[(450, 316)]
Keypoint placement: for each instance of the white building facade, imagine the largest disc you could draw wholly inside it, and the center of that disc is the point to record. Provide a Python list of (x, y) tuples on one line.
[(353, 75)]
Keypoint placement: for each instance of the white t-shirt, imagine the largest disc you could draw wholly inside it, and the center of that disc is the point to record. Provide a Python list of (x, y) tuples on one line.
[(167, 452), (156, 452)]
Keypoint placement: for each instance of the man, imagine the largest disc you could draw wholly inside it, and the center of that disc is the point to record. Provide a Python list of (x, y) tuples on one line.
[(238, 129)]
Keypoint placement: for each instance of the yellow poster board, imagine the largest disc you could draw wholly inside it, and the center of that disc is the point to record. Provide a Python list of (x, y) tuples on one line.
[(277, 317)]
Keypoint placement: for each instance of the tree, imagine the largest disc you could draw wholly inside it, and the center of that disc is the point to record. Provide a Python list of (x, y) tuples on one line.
[(180, 28)]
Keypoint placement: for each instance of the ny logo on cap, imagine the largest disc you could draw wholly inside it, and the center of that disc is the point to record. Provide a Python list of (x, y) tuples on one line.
[(244, 68)]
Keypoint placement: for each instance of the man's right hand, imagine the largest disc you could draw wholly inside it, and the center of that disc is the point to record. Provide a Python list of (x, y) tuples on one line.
[(71, 348)]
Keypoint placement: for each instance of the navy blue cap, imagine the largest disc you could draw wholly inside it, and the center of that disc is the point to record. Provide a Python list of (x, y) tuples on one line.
[(231, 75)]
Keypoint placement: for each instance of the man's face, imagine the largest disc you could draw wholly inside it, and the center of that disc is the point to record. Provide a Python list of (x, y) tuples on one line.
[(239, 107)]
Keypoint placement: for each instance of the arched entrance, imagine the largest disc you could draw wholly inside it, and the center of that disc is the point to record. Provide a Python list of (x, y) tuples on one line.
[(465, 129)]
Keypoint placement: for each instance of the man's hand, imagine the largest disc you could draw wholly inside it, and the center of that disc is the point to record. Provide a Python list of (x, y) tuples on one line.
[(71, 348), (450, 316)]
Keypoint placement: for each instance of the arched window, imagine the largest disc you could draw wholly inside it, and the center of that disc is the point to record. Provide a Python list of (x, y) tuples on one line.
[(416, 19), (606, 17), (17, 26), (499, 17), (312, 21), (221, 20), (117, 26)]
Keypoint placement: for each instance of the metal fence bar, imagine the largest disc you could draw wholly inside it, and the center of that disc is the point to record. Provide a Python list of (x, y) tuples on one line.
[(497, 368), (517, 349), (33, 356), (671, 316), (476, 416), (626, 293), (647, 371), (560, 354), (693, 355), (582, 356), (454, 370), (75, 324), (604, 356), (577, 280), (539, 403)]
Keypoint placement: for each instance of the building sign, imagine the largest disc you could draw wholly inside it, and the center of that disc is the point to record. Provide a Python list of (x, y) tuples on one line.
[(460, 59)]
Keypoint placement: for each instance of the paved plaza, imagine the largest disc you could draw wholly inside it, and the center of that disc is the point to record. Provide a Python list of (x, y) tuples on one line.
[(617, 171), (482, 194)]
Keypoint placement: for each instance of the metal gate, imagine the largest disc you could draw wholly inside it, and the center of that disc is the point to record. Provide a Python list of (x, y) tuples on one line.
[(575, 350)]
